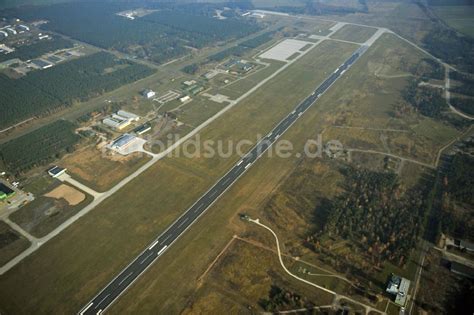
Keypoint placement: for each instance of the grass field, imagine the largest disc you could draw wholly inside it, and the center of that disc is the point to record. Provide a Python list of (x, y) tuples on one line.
[(198, 111), (132, 217), (459, 17), (248, 195), (354, 33), (92, 168), (11, 243), (239, 87), (243, 276), (44, 214), (376, 97)]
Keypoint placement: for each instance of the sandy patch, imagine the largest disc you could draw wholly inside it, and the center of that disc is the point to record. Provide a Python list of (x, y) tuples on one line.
[(71, 195)]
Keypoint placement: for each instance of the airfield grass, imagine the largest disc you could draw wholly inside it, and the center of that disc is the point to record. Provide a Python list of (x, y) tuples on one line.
[(89, 166), (237, 88), (198, 247), (354, 33), (11, 243), (44, 214), (89, 253), (123, 225), (417, 137), (199, 110), (243, 276)]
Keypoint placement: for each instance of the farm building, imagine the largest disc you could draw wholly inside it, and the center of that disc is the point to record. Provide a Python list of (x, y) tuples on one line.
[(399, 287), (148, 93), (56, 171), (185, 99), (128, 115), (5, 191), (189, 82), (142, 129), (123, 141), (118, 124)]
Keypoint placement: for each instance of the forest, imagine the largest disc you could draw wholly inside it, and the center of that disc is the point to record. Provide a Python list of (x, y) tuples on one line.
[(457, 196), (47, 90), (465, 105), (160, 36), (426, 100), (37, 49), (243, 47), (376, 213), (281, 299), (39, 147), (322, 8), (466, 85), (451, 47)]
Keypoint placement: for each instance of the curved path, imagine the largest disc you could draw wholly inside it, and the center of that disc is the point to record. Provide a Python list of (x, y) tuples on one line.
[(367, 308)]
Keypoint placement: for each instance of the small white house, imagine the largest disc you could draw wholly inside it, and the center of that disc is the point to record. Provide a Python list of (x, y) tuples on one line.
[(185, 99), (149, 93)]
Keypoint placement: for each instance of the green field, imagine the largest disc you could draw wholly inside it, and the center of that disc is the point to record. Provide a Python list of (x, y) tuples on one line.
[(460, 18), (130, 218), (242, 85), (354, 33)]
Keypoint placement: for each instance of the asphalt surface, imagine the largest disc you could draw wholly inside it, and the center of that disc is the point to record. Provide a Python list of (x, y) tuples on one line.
[(158, 246)]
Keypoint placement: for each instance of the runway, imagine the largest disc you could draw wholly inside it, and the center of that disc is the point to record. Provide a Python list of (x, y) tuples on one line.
[(159, 245)]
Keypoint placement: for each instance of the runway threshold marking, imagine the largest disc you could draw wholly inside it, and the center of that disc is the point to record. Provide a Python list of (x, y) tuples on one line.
[(87, 307), (153, 245), (162, 250)]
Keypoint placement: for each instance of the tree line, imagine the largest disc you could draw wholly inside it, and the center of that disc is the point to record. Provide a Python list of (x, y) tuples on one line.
[(377, 214), (240, 49), (47, 90), (158, 36), (39, 147), (37, 49)]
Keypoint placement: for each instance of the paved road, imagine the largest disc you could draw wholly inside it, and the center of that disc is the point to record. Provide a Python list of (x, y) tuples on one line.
[(128, 275)]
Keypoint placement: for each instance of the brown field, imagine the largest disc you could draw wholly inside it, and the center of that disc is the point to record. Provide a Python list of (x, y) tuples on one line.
[(98, 171), (241, 277), (71, 195)]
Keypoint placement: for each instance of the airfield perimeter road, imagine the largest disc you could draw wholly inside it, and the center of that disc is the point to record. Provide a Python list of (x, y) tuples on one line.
[(128, 275)]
